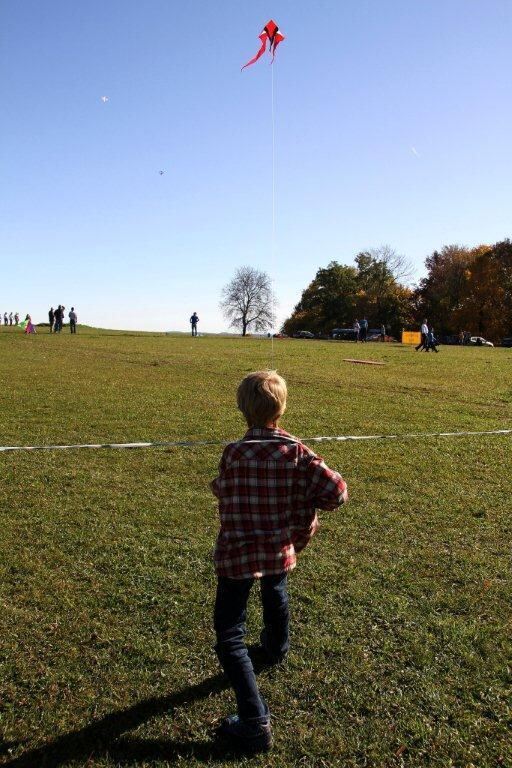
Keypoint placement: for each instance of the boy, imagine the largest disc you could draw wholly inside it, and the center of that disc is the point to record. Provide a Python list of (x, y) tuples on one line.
[(431, 341), (268, 487)]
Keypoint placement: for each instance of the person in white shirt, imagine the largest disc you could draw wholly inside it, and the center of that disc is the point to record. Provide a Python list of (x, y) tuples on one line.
[(424, 336)]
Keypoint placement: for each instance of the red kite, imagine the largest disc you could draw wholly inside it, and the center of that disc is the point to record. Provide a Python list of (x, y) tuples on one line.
[(273, 35)]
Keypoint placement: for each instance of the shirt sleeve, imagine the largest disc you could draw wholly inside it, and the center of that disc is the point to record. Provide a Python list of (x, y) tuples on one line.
[(302, 533), (326, 488), (215, 483)]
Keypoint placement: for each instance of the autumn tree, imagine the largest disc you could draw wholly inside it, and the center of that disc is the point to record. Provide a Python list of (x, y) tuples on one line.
[(381, 297), (329, 300), (340, 293), (468, 289), (440, 294), (485, 305), (247, 300)]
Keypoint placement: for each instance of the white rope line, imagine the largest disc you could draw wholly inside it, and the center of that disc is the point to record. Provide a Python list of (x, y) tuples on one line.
[(201, 443)]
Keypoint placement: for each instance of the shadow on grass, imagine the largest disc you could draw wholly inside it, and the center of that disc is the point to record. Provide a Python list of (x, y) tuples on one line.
[(103, 737)]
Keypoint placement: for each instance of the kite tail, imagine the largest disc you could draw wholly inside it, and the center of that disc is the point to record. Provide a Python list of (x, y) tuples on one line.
[(274, 46), (258, 55)]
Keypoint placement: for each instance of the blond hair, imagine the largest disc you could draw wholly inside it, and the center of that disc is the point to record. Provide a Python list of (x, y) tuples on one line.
[(261, 396)]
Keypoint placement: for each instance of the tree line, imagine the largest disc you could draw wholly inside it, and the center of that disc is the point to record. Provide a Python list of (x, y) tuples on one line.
[(466, 289)]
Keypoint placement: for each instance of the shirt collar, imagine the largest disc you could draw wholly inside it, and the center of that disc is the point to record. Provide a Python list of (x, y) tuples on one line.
[(265, 432)]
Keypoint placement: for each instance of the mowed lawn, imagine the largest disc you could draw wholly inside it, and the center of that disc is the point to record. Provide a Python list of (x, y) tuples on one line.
[(401, 607)]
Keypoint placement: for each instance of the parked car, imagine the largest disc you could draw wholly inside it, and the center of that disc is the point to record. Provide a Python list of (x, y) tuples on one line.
[(453, 339), (374, 334), (506, 342), (479, 341), (344, 334), (303, 335)]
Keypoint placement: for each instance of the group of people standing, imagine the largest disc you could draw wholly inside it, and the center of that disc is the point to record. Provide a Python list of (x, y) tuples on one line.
[(9, 318), (428, 340), (27, 326), (56, 319), (361, 331)]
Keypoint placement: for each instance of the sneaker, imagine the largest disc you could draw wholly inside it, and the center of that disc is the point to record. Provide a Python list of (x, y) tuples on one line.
[(245, 736)]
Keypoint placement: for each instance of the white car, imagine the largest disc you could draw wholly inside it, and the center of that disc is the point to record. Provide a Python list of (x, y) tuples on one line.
[(479, 341)]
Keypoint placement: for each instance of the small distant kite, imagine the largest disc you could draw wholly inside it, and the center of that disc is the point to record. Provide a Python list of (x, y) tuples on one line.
[(415, 151), (273, 35), (161, 173), (104, 99)]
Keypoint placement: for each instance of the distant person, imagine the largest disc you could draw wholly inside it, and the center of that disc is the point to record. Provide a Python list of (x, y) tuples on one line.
[(73, 319), (383, 333), (58, 315), (424, 336), (51, 318), (16, 318), (267, 512), (193, 322), (29, 325), (6, 319), (363, 330), (431, 341), (357, 329), (10, 318)]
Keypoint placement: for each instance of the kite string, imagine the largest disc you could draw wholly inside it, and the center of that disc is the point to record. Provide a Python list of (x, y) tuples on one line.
[(273, 252)]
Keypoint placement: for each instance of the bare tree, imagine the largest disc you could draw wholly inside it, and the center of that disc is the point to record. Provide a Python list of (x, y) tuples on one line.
[(247, 300), (399, 265)]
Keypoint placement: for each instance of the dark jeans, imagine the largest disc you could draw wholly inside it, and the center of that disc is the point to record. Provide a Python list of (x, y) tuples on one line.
[(194, 330), (423, 343), (229, 622), (72, 326)]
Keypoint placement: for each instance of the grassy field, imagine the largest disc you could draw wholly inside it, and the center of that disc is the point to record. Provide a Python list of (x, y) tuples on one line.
[(401, 607)]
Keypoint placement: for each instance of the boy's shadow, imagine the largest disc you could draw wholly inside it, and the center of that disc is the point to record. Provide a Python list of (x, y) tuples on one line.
[(104, 736)]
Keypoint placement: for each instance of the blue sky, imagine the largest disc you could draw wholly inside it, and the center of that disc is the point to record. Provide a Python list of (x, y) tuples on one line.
[(393, 126)]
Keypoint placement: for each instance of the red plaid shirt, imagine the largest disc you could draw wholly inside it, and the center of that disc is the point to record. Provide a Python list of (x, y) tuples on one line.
[(268, 487)]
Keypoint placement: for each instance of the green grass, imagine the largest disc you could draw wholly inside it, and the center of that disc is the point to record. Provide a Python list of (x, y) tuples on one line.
[(401, 607)]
